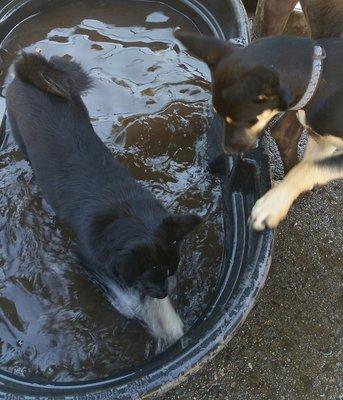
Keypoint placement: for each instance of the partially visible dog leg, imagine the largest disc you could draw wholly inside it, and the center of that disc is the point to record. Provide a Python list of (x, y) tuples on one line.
[(318, 167), (16, 134), (162, 321), (270, 19), (286, 133), (272, 16), (158, 316)]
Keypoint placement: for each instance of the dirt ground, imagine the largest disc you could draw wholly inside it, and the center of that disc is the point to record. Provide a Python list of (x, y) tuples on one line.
[(291, 346)]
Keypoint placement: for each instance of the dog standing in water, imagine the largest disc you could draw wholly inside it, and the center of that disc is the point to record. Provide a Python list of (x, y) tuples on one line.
[(126, 239)]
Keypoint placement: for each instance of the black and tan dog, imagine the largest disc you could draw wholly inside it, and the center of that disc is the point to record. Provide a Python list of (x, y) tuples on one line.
[(325, 20), (252, 84)]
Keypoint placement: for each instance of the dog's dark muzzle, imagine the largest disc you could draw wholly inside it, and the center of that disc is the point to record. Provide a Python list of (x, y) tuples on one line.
[(236, 139), (158, 291)]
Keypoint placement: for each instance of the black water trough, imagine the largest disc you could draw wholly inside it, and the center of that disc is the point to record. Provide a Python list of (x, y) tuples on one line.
[(247, 255)]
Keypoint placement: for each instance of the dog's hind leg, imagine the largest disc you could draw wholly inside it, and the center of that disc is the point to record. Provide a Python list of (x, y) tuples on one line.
[(318, 167), (271, 16), (16, 134)]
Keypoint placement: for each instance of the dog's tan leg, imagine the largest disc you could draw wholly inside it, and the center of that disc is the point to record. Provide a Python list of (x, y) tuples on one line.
[(274, 205), (318, 148), (271, 16)]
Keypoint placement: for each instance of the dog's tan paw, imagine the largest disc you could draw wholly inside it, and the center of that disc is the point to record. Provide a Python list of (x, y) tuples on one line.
[(270, 209)]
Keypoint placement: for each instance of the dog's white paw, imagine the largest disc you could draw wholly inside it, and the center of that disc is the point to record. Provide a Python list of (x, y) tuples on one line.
[(163, 321), (270, 209)]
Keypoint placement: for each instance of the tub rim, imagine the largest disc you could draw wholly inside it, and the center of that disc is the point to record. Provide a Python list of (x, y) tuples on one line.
[(166, 371)]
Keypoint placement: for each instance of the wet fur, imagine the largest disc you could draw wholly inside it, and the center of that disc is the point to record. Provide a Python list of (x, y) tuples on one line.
[(126, 240), (251, 84), (157, 315), (60, 77)]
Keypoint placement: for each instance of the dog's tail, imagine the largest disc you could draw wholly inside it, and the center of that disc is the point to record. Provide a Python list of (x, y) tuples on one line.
[(58, 76)]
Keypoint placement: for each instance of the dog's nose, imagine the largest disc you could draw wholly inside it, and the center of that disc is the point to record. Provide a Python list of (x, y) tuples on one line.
[(158, 293), (234, 144), (232, 147)]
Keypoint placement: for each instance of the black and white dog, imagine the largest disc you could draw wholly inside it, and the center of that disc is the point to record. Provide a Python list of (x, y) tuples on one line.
[(252, 84), (126, 239)]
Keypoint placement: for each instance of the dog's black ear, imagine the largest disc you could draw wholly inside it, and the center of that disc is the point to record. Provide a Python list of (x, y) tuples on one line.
[(207, 48), (178, 226)]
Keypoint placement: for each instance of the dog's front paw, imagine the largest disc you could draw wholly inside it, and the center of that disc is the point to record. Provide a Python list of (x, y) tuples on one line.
[(270, 209)]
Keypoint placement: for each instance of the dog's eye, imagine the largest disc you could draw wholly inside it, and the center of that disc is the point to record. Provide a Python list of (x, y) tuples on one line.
[(252, 121), (262, 98)]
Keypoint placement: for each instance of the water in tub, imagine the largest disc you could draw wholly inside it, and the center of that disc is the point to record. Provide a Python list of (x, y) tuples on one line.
[(150, 106)]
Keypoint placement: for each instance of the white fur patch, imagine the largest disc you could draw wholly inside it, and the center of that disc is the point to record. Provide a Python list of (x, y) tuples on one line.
[(162, 321), (262, 121), (301, 115), (270, 209), (158, 316)]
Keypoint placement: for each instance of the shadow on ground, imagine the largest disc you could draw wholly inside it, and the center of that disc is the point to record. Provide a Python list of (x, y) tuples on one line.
[(291, 346)]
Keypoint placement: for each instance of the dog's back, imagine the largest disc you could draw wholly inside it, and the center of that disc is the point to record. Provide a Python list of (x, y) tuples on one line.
[(51, 125), (325, 17)]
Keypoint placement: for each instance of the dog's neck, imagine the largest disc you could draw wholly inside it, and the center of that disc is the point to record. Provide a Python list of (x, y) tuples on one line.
[(317, 69), (291, 59), (299, 77)]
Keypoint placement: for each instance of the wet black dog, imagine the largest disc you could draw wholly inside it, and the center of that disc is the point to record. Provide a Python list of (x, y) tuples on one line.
[(252, 84), (122, 231)]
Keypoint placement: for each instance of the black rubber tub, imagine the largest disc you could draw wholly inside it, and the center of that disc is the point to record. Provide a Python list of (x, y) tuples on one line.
[(247, 255)]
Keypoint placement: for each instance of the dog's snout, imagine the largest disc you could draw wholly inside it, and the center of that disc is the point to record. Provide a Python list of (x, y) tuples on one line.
[(235, 145), (236, 139), (156, 289), (157, 293)]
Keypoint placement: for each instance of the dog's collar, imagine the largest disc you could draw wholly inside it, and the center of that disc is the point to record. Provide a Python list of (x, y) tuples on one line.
[(317, 69)]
